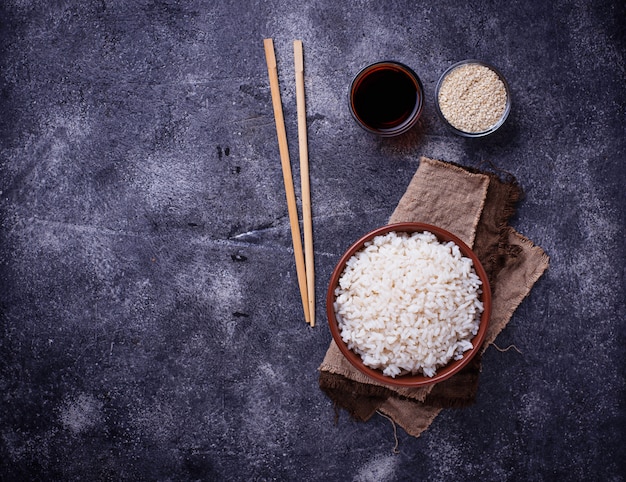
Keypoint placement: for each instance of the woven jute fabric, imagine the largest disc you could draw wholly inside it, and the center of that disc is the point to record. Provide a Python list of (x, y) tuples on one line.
[(475, 205)]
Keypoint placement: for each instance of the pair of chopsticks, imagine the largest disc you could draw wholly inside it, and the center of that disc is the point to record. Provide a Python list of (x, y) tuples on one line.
[(305, 268)]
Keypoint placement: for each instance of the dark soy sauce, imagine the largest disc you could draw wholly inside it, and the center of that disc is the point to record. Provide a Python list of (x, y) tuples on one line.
[(385, 98)]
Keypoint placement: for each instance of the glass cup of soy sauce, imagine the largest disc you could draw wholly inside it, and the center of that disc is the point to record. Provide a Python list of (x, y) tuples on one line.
[(386, 98)]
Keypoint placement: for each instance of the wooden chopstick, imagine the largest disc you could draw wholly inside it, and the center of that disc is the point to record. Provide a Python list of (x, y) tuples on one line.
[(292, 209), (304, 178)]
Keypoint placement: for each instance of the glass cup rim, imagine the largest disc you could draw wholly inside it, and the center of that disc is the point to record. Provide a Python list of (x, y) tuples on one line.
[(507, 108), (411, 119)]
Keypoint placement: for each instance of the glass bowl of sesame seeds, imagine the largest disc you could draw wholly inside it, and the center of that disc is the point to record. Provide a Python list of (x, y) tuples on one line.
[(473, 98)]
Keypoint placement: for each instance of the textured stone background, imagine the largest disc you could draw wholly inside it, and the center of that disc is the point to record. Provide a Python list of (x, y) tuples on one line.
[(151, 325)]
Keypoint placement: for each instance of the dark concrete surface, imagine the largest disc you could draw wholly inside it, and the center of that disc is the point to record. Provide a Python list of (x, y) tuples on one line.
[(151, 325)]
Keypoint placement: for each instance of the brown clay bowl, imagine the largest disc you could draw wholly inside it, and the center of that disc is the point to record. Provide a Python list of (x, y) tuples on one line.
[(410, 380)]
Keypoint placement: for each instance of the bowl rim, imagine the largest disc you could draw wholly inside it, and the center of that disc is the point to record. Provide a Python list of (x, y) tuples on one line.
[(410, 380), (507, 108)]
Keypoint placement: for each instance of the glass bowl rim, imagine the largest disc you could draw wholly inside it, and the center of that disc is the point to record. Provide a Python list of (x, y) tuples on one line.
[(507, 89)]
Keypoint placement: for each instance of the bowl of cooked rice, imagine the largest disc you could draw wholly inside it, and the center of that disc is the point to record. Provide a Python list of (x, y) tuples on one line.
[(408, 304)]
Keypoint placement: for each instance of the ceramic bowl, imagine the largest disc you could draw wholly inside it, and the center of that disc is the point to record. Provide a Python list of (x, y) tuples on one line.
[(409, 380), (492, 128)]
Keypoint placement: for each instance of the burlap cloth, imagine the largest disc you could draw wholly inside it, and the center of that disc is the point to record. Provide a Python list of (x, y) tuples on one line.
[(476, 206)]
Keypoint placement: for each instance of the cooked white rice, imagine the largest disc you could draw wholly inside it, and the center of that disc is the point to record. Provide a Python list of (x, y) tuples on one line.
[(408, 303)]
